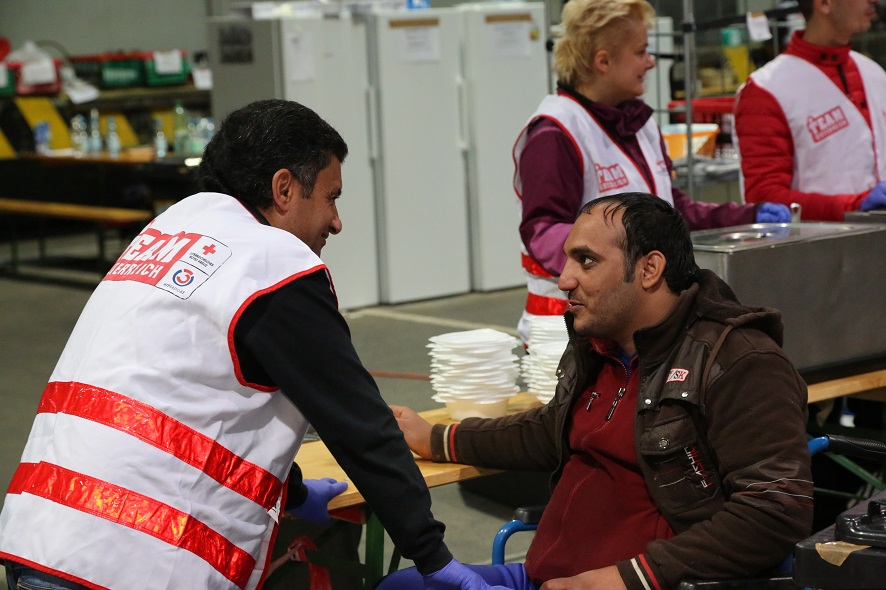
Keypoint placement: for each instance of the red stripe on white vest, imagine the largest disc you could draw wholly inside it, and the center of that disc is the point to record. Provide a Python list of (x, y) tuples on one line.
[(136, 511), (164, 432), (540, 305)]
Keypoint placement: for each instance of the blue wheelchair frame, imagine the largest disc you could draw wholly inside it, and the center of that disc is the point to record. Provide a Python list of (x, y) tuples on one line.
[(526, 519)]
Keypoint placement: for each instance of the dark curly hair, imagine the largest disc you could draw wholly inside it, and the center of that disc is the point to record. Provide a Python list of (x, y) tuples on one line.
[(257, 140)]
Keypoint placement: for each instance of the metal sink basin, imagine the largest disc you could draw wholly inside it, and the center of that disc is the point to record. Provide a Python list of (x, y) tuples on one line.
[(827, 279)]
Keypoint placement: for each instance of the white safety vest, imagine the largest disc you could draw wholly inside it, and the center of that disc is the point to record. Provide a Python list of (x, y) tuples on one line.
[(607, 170), (152, 462), (835, 151)]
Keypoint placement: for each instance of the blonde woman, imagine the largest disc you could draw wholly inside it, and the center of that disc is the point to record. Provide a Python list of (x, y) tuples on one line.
[(596, 137)]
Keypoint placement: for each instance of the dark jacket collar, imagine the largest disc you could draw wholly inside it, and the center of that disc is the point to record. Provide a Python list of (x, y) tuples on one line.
[(625, 120)]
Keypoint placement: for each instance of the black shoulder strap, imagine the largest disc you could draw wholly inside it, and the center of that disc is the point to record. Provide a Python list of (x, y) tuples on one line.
[(706, 373)]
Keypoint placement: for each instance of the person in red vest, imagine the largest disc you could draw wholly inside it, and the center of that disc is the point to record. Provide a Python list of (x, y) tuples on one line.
[(811, 124)]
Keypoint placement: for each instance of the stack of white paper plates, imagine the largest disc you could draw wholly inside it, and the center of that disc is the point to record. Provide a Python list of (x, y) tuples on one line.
[(547, 328), (540, 369), (547, 341), (475, 371)]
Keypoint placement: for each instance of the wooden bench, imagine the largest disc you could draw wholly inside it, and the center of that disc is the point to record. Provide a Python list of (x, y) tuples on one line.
[(101, 216)]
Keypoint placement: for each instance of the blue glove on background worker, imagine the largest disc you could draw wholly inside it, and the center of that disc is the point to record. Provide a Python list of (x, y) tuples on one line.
[(773, 213), (457, 575), (876, 199), (320, 491)]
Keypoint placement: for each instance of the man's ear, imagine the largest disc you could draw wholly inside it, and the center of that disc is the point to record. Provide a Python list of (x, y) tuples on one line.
[(284, 188), (651, 270)]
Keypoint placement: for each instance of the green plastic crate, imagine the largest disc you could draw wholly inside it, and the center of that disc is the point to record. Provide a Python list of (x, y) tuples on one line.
[(152, 78), (110, 70), (9, 88)]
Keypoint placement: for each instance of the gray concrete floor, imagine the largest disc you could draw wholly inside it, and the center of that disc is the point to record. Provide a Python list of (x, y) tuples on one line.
[(38, 313)]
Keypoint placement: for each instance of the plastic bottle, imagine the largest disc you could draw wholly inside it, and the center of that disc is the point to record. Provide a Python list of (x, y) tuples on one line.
[(95, 135), (113, 140), (181, 133), (161, 145), (79, 135), (42, 136)]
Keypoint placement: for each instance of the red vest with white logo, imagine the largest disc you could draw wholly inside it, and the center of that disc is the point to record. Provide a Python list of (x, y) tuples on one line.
[(152, 462), (607, 170), (835, 151)]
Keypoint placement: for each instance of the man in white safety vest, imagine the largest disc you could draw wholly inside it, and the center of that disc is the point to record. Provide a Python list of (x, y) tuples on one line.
[(162, 451), (811, 124)]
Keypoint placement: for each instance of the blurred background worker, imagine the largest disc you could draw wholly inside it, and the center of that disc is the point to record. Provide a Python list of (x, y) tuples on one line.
[(811, 124), (162, 451), (597, 137)]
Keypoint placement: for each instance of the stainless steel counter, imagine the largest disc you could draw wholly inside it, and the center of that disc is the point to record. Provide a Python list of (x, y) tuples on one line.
[(828, 280)]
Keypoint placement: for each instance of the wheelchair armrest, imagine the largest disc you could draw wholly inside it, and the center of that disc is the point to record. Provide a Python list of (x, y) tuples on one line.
[(856, 447), (525, 519), (529, 514)]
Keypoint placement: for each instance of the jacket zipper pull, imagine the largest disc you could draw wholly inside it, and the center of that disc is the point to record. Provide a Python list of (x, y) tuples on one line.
[(594, 395), (618, 396)]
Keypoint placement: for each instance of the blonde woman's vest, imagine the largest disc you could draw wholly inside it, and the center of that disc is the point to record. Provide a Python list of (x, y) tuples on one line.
[(607, 170)]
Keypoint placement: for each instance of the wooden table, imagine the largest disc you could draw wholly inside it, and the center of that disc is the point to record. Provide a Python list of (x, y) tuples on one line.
[(316, 462), (864, 385)]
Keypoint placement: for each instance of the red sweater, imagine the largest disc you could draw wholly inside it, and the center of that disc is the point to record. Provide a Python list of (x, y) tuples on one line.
[(766, 143), (602, 471)]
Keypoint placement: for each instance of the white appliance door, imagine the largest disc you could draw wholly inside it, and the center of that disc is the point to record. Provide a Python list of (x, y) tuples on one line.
[(245, 59), (506, 76), (324, 68), (418, 141)]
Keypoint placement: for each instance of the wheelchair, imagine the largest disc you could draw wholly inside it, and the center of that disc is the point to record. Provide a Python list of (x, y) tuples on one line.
[(527, 518)]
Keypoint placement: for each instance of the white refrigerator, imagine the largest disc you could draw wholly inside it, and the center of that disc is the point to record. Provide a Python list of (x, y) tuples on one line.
[(418, 148), (319, 61), (505, 67)]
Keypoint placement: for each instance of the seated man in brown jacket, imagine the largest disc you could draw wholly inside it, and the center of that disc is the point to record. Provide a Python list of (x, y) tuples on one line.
[(676, 437)]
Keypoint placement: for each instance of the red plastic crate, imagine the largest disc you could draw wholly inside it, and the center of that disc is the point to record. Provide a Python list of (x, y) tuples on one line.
[(23, 89), (704, 110)]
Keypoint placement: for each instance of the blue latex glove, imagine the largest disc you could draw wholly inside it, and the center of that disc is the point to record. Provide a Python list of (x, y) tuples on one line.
[(457, 575), (320, 492), (773, 213), (876, 199)]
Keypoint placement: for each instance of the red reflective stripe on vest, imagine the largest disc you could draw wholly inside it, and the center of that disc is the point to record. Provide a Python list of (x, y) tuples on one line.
[(131, 509), (166, 433), (534, 268), (539, 305)]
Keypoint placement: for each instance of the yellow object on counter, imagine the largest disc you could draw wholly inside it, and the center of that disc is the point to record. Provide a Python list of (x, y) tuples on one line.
[(836, 552)]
